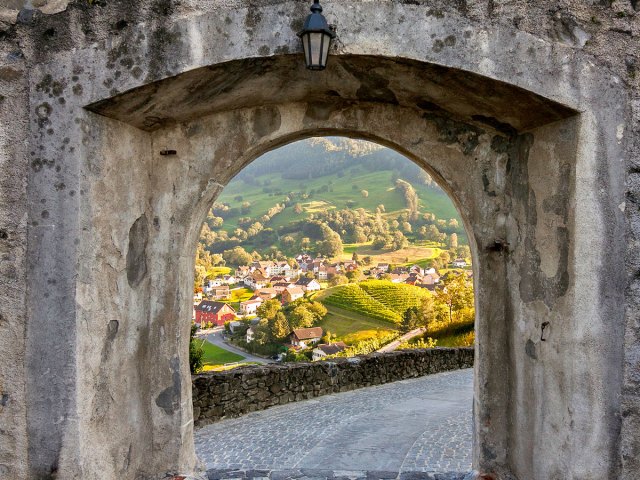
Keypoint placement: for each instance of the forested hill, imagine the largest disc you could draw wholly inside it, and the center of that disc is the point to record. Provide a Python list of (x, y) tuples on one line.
[(338, 182)]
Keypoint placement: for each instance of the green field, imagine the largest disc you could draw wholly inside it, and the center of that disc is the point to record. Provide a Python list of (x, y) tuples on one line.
[(219, 272), (350, 327), (214, 355), (413, 254), (239, 295), (378, 184)]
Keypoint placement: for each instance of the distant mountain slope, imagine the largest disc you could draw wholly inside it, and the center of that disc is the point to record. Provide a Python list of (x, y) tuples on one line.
[(363, 193), (333, 171)]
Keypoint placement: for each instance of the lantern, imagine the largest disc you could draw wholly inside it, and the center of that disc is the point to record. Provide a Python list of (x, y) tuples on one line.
[(316, 36)]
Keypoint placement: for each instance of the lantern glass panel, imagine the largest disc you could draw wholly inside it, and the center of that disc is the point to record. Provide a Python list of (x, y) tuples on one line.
[(307, 47), (315, 40), (326, 43)]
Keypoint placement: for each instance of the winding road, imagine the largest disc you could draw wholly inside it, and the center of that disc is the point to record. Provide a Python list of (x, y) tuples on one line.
[(216, 339)]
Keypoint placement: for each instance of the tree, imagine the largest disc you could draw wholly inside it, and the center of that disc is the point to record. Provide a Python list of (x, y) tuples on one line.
[(381, 241), (216, 259), (453, 240), (444, 257), (237, 256), (359, 236), (338, 280), (269, 309), (196, 352), (301, 317), (328, 337), (399, 241), (280, 326), (331, 243), (354, 275), (198, 279), (317, 309), (410, 319), (288, 241), (427, 309), (463, 251), (355, 257), (455, 293), (215, 222), (297, 209), (364, 193), (240, 234), (262, 334), (432, 233)]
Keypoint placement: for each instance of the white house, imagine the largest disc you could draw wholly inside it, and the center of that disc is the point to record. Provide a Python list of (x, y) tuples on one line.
[(292, 294), (302, 337), (211, 284), (256, 280), (229, 279), (324, 350), (251, 333), (308, 284), (250, 307), (459, 263)]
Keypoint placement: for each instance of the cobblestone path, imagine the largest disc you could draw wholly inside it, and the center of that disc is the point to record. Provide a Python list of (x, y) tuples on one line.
[(417, 425)]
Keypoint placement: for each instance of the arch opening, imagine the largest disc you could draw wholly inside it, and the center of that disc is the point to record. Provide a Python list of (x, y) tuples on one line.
[(270, 178)]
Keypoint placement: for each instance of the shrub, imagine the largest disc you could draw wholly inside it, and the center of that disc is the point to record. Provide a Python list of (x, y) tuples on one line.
[(196, 352)]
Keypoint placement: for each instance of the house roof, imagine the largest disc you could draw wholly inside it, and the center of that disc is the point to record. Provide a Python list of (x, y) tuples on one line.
[(252, 301), (267, 291), (305, 281), (212, 307), (307, 333), (333, 348), (259, 276), (294, 290)]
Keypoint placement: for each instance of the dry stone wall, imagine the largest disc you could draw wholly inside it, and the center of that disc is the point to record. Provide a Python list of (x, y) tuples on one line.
[(233, 393)]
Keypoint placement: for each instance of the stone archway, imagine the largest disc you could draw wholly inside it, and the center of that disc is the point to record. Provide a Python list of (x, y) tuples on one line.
[(112, 224)]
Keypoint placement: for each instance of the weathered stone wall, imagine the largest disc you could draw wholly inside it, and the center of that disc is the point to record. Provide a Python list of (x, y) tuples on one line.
[(218, 395), (527, 112)]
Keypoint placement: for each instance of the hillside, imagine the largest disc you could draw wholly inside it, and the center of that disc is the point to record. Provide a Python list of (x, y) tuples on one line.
[(375, 200), (378, 299)]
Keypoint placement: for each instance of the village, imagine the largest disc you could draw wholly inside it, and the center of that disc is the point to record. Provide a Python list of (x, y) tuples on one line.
[(287, 284)]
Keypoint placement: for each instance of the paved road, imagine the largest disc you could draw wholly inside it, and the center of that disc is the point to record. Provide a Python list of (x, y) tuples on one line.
[(417, 425), (216, 339)]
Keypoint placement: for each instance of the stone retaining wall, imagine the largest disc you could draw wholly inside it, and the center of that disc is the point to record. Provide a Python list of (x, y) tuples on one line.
[(217, 395)]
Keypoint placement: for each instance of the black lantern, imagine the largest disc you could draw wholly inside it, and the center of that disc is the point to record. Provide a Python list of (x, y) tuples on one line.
[(316, 36)]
